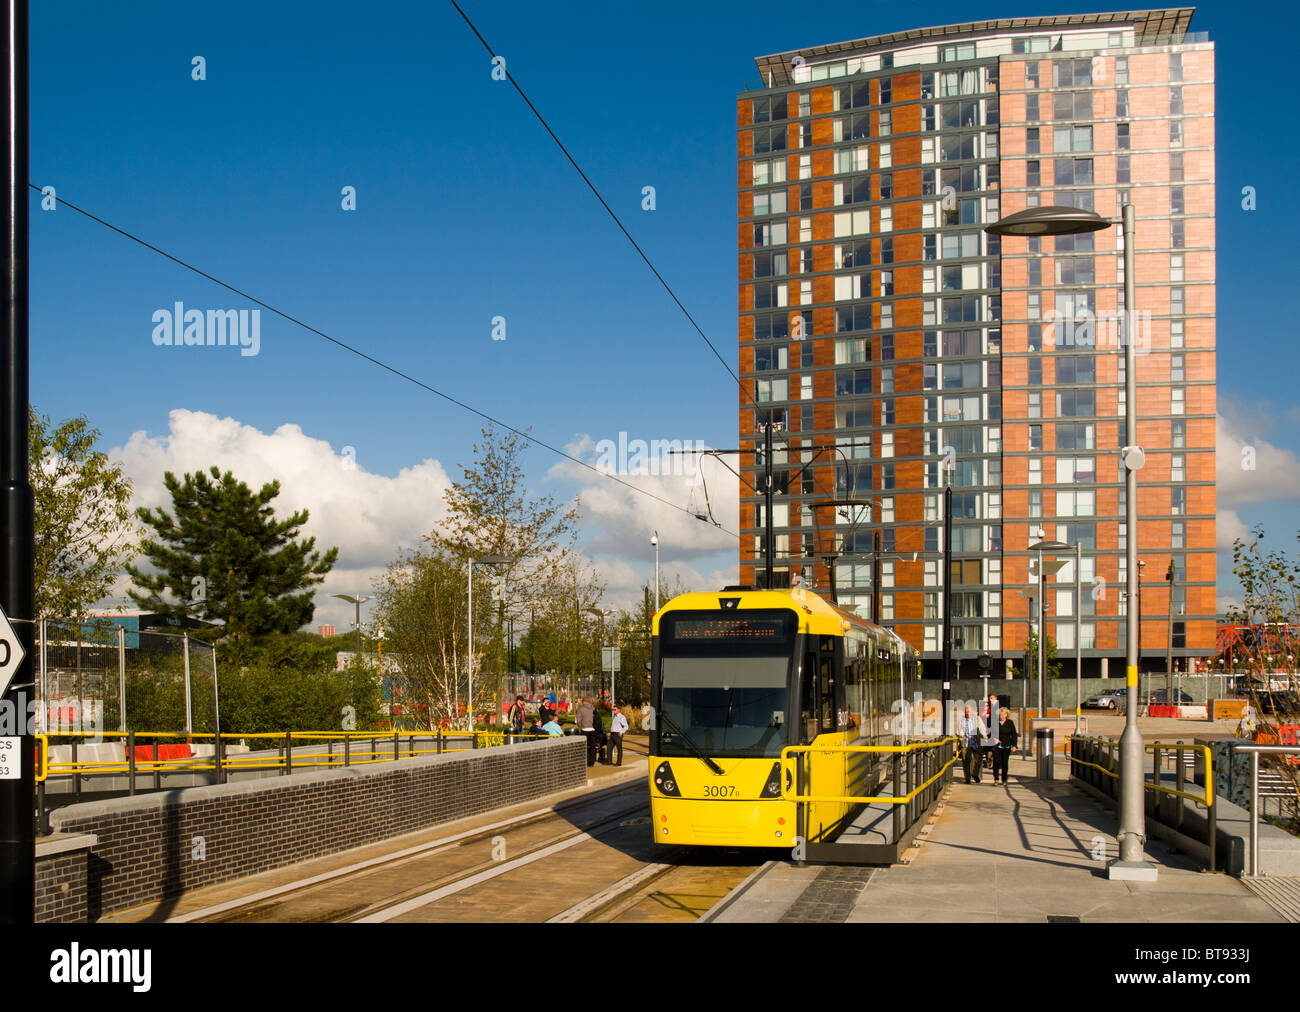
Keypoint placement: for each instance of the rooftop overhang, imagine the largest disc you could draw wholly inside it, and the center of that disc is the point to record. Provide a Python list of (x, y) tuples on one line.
[(1149, 25)]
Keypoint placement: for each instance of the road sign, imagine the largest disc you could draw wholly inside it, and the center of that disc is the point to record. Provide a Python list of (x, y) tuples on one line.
[(11, 652), (610, 658)]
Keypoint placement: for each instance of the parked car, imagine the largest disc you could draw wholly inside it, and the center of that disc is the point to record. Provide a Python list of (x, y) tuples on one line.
[(1115, 700), (1160, 699), (1279, 703)]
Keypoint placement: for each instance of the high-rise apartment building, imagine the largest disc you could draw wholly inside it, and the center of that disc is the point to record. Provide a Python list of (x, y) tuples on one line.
[(895, 346)]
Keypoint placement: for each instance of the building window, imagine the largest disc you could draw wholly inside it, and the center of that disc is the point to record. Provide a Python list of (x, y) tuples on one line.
[(1033, 173), (1175, 333), (1031, 74), (1036, 438), (1035, 470), (1122, 136), (1177, 401), (1121, 102), (1066, 139), (1122, 172), (1176, 262), (1177, 368), (1034, 408), (1175, 101), (1177, 233), (1176, 200), (1178, 501), (1032, 141), (887, 379), (1035, 376), (1175, 66), (1178, 435), (1031, 109), (1176, 167), (1177, 467), (1121, 70), (1177, 300), (1071, 105), (1178, 534), (1176, 133)]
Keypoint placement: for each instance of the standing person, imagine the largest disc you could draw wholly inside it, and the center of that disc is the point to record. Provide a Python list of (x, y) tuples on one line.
[(586, 722), (617, 728), (545, 710), (599, 735), (970, 731), (1007, 738), (517, 715), (991, 709)]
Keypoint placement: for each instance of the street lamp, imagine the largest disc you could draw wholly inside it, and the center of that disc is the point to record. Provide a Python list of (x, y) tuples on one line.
[(483, 560), (1055, 566), (358, 601), (1057, 220), (602, 614), (654, 540)]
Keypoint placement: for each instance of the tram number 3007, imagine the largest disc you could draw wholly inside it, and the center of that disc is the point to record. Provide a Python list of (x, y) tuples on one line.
[(722, 791)]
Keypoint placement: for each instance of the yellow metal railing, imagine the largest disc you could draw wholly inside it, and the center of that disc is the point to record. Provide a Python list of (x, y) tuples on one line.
[(350, 754), (1205, 799), (790, 751)]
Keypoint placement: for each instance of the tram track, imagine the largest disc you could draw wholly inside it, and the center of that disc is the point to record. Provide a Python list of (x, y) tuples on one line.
[(280, 902)]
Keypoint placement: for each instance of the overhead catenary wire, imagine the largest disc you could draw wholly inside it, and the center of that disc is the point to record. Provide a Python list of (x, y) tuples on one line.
[(369, 358), (605, 204)]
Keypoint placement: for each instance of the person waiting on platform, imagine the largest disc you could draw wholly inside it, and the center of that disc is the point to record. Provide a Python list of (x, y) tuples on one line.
[(970, 732), (586, 723), (1006, 744), (617, 728)]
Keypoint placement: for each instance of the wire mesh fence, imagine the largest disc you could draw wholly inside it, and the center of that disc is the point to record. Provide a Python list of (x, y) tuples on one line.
[(96, 675)]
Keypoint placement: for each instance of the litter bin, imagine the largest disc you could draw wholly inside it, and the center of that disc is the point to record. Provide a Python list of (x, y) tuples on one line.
[(1045, 742)]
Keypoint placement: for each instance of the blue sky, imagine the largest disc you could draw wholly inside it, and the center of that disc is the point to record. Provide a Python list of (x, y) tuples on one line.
[(466, 211)]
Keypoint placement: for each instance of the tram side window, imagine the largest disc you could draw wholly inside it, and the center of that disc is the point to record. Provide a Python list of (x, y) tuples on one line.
[(826, 682), (808, 704)]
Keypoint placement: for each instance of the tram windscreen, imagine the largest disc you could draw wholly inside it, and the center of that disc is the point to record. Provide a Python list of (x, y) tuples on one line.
[(724, 705)]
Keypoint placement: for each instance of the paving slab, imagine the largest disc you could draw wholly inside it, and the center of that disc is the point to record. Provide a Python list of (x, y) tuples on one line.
[(1026, 851)]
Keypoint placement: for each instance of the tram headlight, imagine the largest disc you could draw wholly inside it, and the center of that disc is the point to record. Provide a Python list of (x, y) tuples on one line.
[(665, 781)]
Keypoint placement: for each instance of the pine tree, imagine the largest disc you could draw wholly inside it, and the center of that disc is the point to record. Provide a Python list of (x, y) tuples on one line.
[(224, 556)]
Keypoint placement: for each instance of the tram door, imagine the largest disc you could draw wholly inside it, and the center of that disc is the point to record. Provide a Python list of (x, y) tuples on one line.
[(819, 710)]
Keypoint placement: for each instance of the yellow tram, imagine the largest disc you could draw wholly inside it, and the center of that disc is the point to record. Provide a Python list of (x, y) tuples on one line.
[(739, 674)]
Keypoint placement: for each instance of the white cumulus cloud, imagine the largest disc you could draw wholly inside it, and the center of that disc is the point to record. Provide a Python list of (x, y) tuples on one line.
[(369, 517)]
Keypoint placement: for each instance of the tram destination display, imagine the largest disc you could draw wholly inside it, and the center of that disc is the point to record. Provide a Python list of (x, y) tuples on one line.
[(732, 628)]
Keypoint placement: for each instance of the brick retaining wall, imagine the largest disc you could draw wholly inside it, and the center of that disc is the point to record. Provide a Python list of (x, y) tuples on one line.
[(156, 846), (61, 864)]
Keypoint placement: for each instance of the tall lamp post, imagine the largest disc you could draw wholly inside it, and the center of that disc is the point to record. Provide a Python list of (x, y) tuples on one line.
[(654, 541), (602, 614), (358, 601), (482, 560), (1057, 220), (17, 509), (1055, 566)]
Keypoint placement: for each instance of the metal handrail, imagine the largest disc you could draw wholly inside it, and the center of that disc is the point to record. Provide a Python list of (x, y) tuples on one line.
[(1205, 799), (1255, 752), (221, 762), (852, 799)]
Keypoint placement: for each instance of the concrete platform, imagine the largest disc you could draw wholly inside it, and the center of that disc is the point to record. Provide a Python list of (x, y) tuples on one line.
[(1028, 851)]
